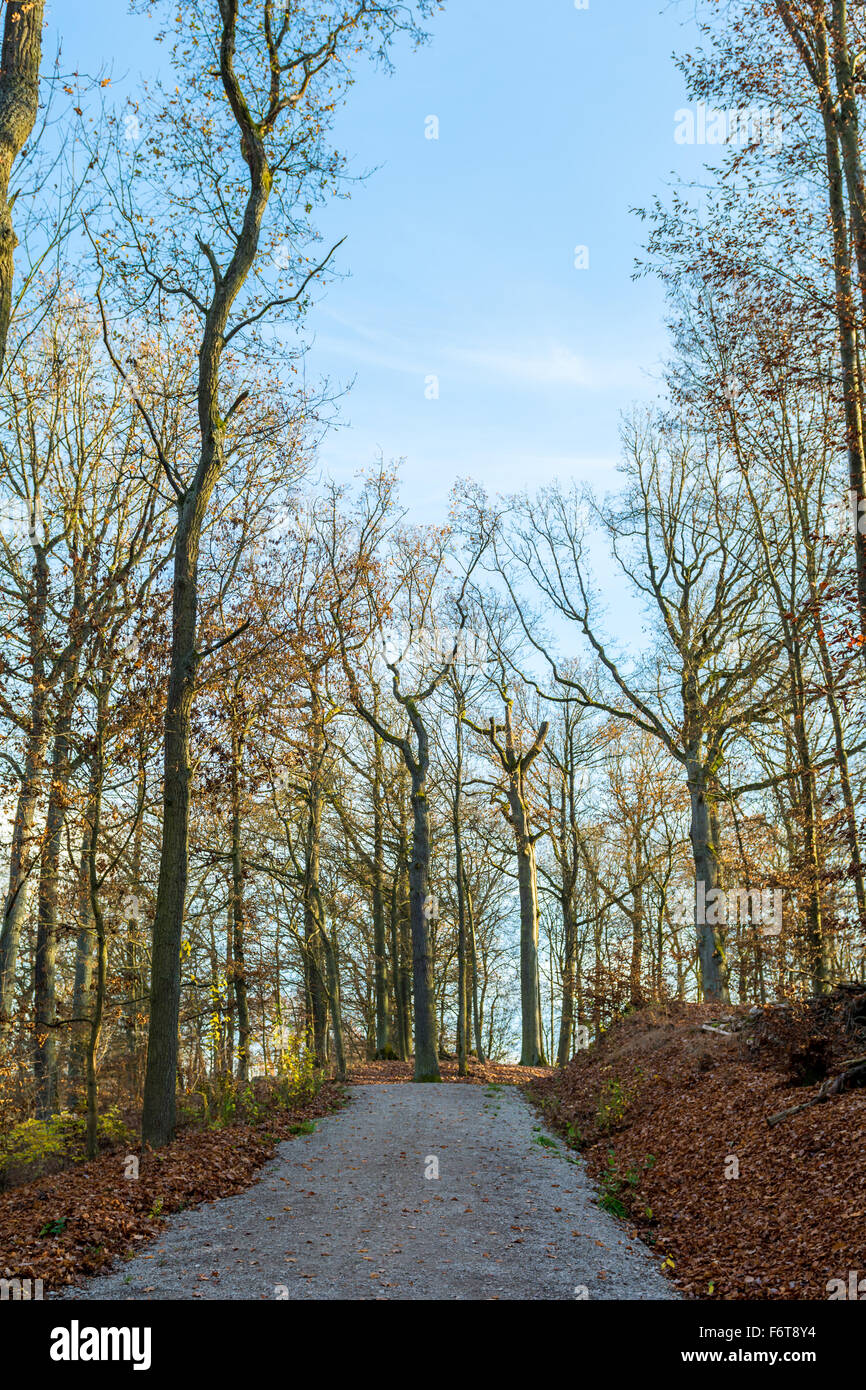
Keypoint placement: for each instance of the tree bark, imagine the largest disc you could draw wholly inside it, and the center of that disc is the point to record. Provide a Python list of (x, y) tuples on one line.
[(158, 1115), (84, 963), (462, 992), (477, 1021), (239, 976), (380, 965), (426, 1052), (44, 974), (22, 857), (19, 103), (710, 937)]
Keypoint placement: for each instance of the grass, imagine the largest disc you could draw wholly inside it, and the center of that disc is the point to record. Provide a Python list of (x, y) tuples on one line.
[(305, 1127)]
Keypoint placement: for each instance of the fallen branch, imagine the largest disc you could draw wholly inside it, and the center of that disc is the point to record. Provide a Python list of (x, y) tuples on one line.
[(848, 1080)]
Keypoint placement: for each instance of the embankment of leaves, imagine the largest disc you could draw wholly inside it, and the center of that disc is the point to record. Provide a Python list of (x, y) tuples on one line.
[(672, 1122), (68, 1226)]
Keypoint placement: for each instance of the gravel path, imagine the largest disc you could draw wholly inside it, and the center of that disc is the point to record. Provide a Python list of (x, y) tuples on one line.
[(349, 1213)]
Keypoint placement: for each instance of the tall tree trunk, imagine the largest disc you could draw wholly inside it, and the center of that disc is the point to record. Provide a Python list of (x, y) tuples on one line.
[(99, 927), (19, 103), (710, 935), (858, 871), (636, 918), (315, 957), (133, 980), (405, 941), (532, 1045), (816, 942), (239, 975), (159, 1107), (22, 858), (400, 1030), (383, 1048), (84, 963), (44, 975), (462, 991), (477, 1021), (332, 965), (426, 1058), (566, 1022), (836, 116)]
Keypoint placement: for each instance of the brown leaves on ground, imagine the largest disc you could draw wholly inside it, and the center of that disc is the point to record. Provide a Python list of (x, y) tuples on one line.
[(663, 1111), (67, 1226), (479, 1074)]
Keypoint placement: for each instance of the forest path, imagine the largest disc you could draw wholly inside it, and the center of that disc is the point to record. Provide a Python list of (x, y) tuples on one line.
[(348, 1213)]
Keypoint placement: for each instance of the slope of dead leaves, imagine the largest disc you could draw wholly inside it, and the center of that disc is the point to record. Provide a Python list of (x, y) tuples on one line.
[(479, 1074), (666, 1114), (70, 1225)]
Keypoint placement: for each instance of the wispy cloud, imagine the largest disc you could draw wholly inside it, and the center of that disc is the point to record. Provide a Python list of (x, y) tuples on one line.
[(541, 364), (553, 365)]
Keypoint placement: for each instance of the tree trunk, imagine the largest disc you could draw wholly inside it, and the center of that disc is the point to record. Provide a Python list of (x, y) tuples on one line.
[(396, 971), (462, 992), (426, 1058), (333, 972), (21, 855), (92, 1133), (473, 952), (405, 942), (133, 975), (846, 322), (315, 962), (44, 975), (19, 103), (710, 937), (158, 1114), (239, 976), (532, 1046), (21, 860), (566, 1022), (383, 1049), (84, 963)]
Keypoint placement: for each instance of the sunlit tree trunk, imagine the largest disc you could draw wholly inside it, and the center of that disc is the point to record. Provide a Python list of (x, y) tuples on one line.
[(19, 103)]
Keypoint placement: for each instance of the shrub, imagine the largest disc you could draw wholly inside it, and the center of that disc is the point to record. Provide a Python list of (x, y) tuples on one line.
[(222, 1100), (615, 1099), (35, 1147)]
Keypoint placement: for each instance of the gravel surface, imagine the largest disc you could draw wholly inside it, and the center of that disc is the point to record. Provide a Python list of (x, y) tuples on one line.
[(349, 1213)]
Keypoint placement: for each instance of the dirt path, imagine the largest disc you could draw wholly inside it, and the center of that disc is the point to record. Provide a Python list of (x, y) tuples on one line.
[(349, 1213)]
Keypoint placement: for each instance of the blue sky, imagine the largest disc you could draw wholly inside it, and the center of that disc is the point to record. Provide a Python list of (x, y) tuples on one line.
[(459, 260)]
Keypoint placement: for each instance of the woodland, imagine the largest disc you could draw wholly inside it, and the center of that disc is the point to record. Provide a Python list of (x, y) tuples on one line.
[(291, 783)]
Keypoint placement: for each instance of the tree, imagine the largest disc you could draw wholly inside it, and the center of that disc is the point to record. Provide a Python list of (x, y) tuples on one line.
[(516, 763), (260, 81), (691, 560)]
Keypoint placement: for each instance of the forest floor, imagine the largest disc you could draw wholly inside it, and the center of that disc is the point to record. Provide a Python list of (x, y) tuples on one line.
[(665, 1180), (413, 1192), (73, 1223), (671, 1120)]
